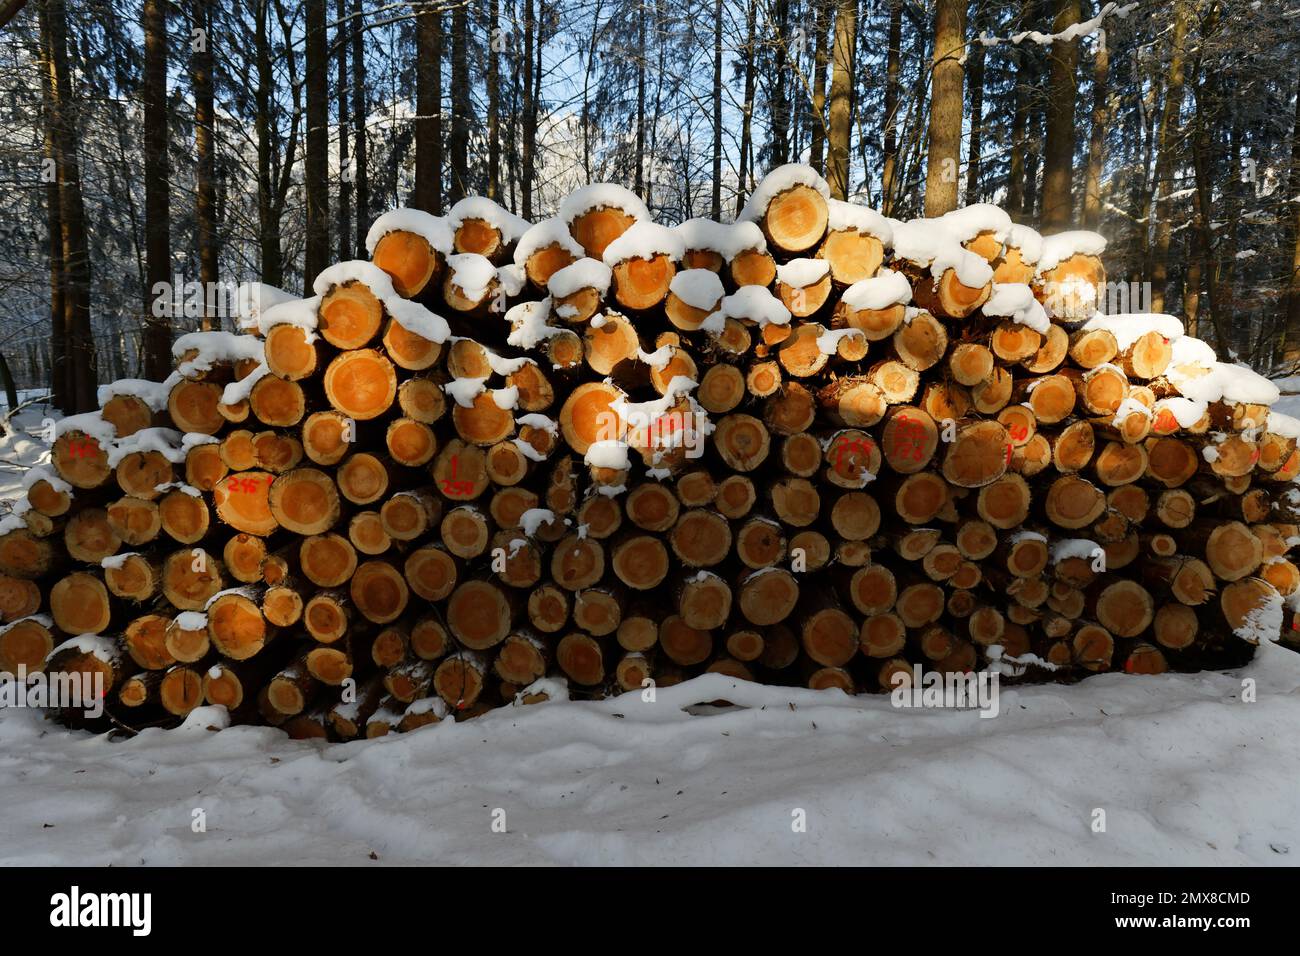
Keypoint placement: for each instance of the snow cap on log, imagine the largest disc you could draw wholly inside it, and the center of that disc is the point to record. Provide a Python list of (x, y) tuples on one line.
[(1129, 327), (471, 273), (91, 424), (778, 181), (931, 243), (753, 302), (409, 315), (726, 239), (502, 220), (1185, 411), (611, 453), (254, 298), (1283, 426), (968, 222), (845, 216), (1189, 350), (100, 647), (645, 414), (435, 230), (586, 273), (1077, 242), (1016, 301), (602, 196), (47, 475), (215, 348), (799, 273), (165, 441), (512, 278), (1027, 241), (699, 288), (301, 313), (1228, 383), (879, 292), (465, 390), (548, 232), (1065, 548), (528, 324), (644, 240), (153, 394), (828, 341)]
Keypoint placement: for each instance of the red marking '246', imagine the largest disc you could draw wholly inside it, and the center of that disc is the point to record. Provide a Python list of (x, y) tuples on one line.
[(246, 484)]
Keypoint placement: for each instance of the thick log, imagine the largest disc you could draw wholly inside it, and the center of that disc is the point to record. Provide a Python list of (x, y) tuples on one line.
[(795, 219)]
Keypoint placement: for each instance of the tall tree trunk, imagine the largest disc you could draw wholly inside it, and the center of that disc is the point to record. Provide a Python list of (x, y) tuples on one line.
[(268, 220), (60, 384), (715, 207), (60, 387), (1233, 204), (841, 126), (589, 66), (1025, 78), (361, 174), (1198, 257), (458, 141), (1192, 284), (345, 171), (1291, 334), (1204, 220), (529, 130), (747, 110), (1202, 163), (945, 107), (205, 177), (1097, 136), (912, 151), (1145, 183), (655, 118), (1033, 160), (639, 176), (975, 63), (893, 68), (494, 46), (283, 179), (316, 159), (427, 194), (535, 98), (817, 126), (157, 202), (514, 109), (1168, 143), (1062, 87), (82, 364), (780, 101)]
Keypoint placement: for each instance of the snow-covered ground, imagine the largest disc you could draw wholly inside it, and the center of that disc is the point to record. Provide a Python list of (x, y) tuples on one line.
[(1185, 770), (20, 446)]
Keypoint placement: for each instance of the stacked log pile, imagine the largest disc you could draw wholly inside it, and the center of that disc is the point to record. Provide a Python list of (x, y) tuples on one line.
[(504, 462)]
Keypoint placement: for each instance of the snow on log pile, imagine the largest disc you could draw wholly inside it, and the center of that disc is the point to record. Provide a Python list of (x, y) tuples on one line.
[(504, 462)]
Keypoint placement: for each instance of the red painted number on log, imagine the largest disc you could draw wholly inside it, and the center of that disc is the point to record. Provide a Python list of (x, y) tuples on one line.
[(910, 443), (237, 483), (858, 444), (456, 489)]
